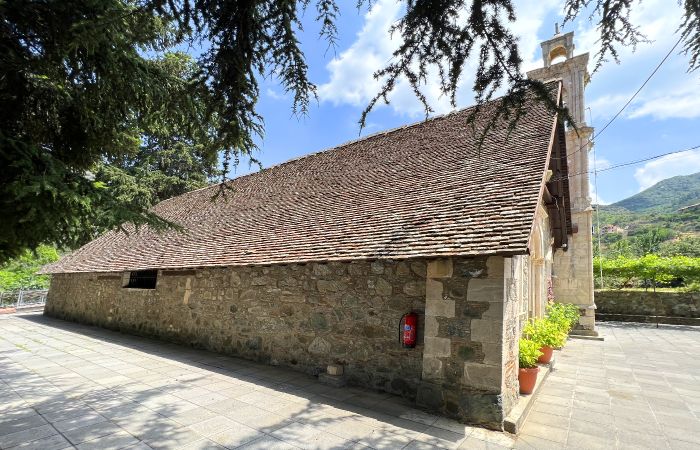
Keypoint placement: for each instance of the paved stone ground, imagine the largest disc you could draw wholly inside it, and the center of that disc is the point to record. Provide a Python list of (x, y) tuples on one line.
[(638, 389), (64, 385)]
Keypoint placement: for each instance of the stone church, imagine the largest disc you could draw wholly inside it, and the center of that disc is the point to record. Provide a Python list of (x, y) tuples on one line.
[(316, 261)]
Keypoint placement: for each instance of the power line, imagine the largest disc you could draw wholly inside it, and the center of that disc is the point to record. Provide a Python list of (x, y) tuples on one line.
[(631, 99), (628, 163)]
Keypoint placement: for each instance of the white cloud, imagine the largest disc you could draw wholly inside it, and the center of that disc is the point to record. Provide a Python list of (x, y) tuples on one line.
[(596, 199), (683, 103), (684, 163), (530, 18), (351, 78), (273, 94), (656, 19), (351, 72), (671, 92), (605, 106), (600, 163), (680, 103)]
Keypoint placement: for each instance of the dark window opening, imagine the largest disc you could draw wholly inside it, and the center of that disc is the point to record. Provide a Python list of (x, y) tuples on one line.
[(143, 279)]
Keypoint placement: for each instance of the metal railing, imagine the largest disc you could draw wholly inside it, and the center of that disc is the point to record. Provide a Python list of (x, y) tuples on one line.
[(23, 298)]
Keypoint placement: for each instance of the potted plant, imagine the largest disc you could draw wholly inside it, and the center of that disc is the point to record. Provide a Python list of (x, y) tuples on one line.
[(528, 353), (564, 315), (548, 335)]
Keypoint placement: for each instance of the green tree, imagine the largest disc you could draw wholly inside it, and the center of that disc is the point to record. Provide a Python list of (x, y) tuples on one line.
[(683, 246), (169, 161), (649, 241), (20, 272), (80, 83), (78, 92), (649, 270)]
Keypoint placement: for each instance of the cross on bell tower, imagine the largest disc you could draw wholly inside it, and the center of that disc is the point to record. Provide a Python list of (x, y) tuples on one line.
[(572, 277)]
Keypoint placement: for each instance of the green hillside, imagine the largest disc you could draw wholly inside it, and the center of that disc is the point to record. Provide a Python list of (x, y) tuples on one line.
[(652, 221), (665, 196)]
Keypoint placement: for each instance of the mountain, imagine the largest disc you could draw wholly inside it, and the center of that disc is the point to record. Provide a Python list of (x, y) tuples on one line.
[(657, 207), (666, 196)]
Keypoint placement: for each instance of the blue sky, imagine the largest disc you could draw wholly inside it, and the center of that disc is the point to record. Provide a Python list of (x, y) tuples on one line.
[(665, 116)]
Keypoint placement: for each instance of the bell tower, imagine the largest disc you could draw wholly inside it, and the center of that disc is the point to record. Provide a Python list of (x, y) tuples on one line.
[(572, 270)]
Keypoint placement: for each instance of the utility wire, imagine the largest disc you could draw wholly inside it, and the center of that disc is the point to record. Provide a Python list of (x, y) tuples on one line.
[(628, 163), (631, 99)]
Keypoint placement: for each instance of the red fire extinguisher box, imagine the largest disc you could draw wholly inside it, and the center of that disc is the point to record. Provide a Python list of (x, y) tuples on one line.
[(408, 330)]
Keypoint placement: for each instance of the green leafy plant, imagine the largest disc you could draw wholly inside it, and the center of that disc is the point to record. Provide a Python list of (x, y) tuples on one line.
[(564, 316), (545, 333), (649, 270), (528, 353), (20, 272)]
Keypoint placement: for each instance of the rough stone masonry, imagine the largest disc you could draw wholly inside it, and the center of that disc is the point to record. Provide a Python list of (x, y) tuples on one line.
[(307, 316)]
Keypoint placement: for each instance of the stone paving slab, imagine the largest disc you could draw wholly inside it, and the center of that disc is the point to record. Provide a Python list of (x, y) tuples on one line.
[(638, 389), (64, 385)]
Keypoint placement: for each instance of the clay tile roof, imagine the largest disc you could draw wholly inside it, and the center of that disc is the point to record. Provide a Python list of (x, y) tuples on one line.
[(424, 190)]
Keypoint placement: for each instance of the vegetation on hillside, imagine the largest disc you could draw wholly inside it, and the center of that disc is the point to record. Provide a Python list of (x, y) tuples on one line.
[(684, 221), (647, 241), (667, 196), (653, 221), (650, 271)]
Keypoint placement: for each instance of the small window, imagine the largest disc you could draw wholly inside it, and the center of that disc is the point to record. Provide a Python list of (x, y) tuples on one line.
[(143, 279)]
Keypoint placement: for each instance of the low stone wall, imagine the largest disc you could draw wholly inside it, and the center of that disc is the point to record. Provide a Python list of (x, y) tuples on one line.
[(308, 316), (611, 303)]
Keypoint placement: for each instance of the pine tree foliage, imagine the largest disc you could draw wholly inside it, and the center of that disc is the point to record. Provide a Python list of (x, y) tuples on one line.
[(87, 85), (77, 91)]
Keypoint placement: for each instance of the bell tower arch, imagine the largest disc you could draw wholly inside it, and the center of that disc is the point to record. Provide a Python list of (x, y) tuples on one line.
[(572, 270)]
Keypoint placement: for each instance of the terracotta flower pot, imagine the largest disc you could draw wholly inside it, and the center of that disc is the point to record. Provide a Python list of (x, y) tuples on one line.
[(546, 357), (527, 379)]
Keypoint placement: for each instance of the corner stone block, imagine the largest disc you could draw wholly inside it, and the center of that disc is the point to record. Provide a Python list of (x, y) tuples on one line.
[(487, 331), (486, 290), (432, 369), (437, 347), (430, 395), (492, 353), (495, 266), (588, 323), (482, 376), (433, 290), (335, 370), (440, 268), (435, 305), (440, 308), (431, 326)]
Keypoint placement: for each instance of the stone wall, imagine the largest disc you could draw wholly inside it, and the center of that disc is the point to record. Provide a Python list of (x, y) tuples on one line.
[(467, 371), (302, 316), (671, 304), (308, 316)]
